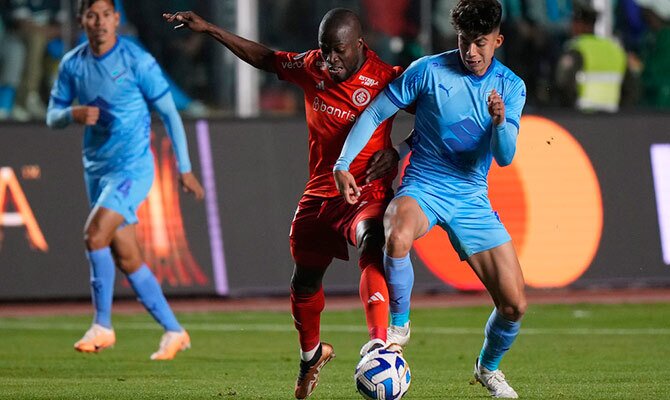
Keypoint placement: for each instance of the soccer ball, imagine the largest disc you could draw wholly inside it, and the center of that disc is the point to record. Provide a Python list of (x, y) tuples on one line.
[(382, 375)]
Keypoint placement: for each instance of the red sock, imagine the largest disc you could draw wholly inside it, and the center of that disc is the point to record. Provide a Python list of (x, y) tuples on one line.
[(374, 294), (306, 310)]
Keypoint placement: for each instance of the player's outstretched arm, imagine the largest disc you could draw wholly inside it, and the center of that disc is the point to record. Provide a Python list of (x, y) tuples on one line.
[(175, 128), (248, 51)]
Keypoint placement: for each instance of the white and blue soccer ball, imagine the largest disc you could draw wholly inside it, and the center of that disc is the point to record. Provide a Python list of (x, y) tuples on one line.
[(382, 375)]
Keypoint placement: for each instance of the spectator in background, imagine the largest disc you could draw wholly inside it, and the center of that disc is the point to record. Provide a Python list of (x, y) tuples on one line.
[(187, 74), (444, 34), (12, 57), (655, 54), (590, 73), (36, 22), (393, 29)]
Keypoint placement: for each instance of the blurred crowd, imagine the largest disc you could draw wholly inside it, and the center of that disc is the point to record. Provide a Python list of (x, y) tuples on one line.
[(590, 55)]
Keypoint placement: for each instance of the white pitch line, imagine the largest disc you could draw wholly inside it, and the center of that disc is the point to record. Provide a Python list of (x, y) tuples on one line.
[(23, 325)]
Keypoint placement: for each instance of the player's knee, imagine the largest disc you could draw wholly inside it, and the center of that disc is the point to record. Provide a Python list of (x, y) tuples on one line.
[(128, 264), (370, 249), (398, 242), (95, 239), (514, 312), (304, 282)]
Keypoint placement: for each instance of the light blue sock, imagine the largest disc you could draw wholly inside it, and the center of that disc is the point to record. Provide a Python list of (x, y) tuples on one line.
[(150, 294), (400, 280), (103, 271), (500, 334)]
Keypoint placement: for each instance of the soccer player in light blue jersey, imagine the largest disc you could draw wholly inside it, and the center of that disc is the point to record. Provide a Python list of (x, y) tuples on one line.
[(468, 107), (115, 83)]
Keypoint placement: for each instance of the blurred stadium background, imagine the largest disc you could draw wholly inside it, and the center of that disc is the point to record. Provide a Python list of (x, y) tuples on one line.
[(587, 199)]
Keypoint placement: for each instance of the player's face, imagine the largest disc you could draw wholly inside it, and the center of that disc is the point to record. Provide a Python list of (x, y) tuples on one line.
[(99, 22), (477, 52), (342, 51)]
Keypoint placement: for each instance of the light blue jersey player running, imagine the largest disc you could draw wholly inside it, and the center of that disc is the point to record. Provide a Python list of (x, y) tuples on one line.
[(115, 82), (468, 107)]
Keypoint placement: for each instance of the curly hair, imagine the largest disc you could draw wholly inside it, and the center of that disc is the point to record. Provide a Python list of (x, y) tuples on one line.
[(474, 18)]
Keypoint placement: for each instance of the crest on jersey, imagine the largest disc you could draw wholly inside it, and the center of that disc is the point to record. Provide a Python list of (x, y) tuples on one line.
[(361, 97)]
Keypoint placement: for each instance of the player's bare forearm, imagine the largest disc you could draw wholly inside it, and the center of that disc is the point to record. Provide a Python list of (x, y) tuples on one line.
[(382, 163), (248, 51)]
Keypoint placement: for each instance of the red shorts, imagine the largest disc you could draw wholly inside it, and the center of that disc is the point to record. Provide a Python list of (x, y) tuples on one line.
[(322, 227)]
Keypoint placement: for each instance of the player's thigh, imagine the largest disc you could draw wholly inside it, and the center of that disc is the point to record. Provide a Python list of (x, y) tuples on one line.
[(313, 242), (405, 220), (500, 272), (122, 193), (126, 249)]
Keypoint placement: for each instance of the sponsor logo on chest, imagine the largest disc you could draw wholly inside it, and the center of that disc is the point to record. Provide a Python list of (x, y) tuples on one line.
[(368, 81)]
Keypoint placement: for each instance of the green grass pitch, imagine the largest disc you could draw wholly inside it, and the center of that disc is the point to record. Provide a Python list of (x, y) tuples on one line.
[(564, 352)]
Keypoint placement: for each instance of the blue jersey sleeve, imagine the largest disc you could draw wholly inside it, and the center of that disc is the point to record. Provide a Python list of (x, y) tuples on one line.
[(59, 113), (63, 90), (150, 78), (514, 100), (405, 89)]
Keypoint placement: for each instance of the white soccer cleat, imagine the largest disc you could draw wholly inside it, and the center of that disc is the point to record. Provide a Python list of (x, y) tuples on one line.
[(372, 345), (494, 382), (96, 338), (171, 344), (399, 335)]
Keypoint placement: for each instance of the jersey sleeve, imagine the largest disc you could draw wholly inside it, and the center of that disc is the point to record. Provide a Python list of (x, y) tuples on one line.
[(514, 102), (150, 79), (63, 89), (404, 90), (292, 67)]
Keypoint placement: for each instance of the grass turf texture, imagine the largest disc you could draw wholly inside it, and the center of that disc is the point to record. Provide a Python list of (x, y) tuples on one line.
[(564, 352)]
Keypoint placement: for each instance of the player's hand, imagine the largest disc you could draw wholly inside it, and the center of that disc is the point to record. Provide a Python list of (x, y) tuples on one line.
[(187, 19), (381, 164), (346, 185), (85, 115), (190, 184), (496, 108)]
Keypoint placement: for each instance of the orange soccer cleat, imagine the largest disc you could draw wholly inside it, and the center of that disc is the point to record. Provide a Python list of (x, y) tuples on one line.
[(308, 378), (96, 338), (171, 344)]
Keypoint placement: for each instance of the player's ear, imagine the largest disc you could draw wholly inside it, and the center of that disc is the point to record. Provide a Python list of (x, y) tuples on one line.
[(499, 40)]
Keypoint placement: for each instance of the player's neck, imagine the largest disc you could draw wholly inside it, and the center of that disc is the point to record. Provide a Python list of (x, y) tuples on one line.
[(100, 49)]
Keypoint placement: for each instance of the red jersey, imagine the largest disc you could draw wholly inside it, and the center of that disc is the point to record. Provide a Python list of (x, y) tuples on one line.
[(332, 108)]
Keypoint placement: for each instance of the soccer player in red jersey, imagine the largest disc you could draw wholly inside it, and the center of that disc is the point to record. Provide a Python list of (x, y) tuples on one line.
[(339, 80)]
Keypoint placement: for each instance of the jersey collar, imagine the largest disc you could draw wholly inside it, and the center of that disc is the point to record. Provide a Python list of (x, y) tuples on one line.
[(110, 51), (474, 77)]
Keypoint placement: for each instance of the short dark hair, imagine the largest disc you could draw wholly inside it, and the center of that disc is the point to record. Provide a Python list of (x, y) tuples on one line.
[(86, 4), (584, 13), (476, 17)]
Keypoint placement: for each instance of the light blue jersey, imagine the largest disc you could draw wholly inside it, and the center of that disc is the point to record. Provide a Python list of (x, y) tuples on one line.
[(451, 146), (120, 83)]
